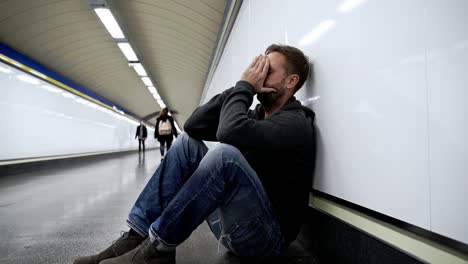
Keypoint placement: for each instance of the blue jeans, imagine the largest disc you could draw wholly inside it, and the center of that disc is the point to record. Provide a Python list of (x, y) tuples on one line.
[(193, 184)]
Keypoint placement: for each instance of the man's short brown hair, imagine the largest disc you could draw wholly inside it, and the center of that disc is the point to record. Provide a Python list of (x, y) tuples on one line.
[(296, 62)]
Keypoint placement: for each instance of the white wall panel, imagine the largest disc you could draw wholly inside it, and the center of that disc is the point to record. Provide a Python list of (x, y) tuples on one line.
[(37, 122), (370, 93), (371, 111), (238, 43), (447, 39)]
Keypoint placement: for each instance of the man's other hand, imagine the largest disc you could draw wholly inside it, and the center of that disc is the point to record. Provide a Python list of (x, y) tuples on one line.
[(256, 73)]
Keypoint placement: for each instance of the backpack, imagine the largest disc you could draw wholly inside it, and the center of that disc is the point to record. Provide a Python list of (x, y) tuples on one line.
[(165, 127)]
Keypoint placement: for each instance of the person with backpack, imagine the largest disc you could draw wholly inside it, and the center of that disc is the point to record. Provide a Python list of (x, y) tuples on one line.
[(164, 130)]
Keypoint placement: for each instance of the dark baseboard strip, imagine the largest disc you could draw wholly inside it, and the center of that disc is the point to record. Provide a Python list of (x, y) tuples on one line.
[(58, 161), (437, 238), (334, 241)]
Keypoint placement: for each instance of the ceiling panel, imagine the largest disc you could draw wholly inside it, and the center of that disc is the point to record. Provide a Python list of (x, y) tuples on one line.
[(173, 39)]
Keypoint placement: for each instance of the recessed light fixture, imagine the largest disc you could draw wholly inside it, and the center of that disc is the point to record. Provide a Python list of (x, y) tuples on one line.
[(109, 22), (147, 81), (127, 51)]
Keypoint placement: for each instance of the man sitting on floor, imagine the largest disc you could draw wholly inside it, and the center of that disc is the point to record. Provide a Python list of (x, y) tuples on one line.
[(252, 187)]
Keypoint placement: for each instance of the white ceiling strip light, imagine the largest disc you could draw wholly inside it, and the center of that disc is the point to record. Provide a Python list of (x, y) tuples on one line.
[(139, 69), (152, 90), (109, 22), (127, 51), (147, 81), (114, 29)]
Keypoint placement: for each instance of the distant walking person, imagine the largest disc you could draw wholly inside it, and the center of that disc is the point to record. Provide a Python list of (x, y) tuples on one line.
[(142, 134), (164, 130)]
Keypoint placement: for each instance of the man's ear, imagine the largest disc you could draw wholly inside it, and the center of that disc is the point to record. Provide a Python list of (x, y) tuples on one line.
[(292, 80)]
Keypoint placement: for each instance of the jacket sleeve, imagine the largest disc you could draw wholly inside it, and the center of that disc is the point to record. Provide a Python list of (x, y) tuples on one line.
[(156, 130), (174, 130), (145, 132), (136, 133), (238, 129), (203, 123)]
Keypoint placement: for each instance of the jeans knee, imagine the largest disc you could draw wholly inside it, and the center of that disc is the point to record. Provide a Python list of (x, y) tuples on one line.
[(223, 150), (184, 135), (187, 138), (184, 138), (188, 144)]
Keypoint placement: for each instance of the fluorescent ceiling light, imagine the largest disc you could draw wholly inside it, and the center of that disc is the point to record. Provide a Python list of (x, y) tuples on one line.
[(157, 96), (147, 81), (51, 89), (152, 90), (127, 51), (317, 32), (109, 22), (28, 79), (139, 69), (349, 5)]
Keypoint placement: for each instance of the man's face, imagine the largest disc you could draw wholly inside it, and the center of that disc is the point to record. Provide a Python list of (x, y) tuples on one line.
[(276, 79)]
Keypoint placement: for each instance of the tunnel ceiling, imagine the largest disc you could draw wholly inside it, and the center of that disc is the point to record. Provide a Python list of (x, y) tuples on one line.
[(174, 39)]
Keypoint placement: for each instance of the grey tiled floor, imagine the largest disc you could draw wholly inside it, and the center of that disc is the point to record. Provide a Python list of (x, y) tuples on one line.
[(55, 214)]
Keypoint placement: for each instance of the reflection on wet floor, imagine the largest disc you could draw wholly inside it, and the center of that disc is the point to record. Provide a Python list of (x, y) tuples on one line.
[(55, 214)]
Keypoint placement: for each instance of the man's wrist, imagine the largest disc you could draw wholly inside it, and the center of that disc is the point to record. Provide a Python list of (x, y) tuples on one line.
[(247, 85)]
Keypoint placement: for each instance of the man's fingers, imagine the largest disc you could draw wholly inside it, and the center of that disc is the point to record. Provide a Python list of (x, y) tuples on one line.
[(260, 67), (257, 71), (254, 62), (246, 76), (267, 90), (259, 63), (266, 66)]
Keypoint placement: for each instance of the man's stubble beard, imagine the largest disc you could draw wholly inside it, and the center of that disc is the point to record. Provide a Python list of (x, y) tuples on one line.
[(268, 99)]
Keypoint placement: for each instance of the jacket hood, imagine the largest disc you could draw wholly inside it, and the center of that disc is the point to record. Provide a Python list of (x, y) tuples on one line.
[(293, 103)]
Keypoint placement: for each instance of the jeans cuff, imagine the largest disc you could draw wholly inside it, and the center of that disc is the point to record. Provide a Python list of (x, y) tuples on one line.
[(160, 244), (138, 230)]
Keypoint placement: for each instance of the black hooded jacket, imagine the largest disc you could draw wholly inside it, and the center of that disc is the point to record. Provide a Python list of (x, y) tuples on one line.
[(281, 148)]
